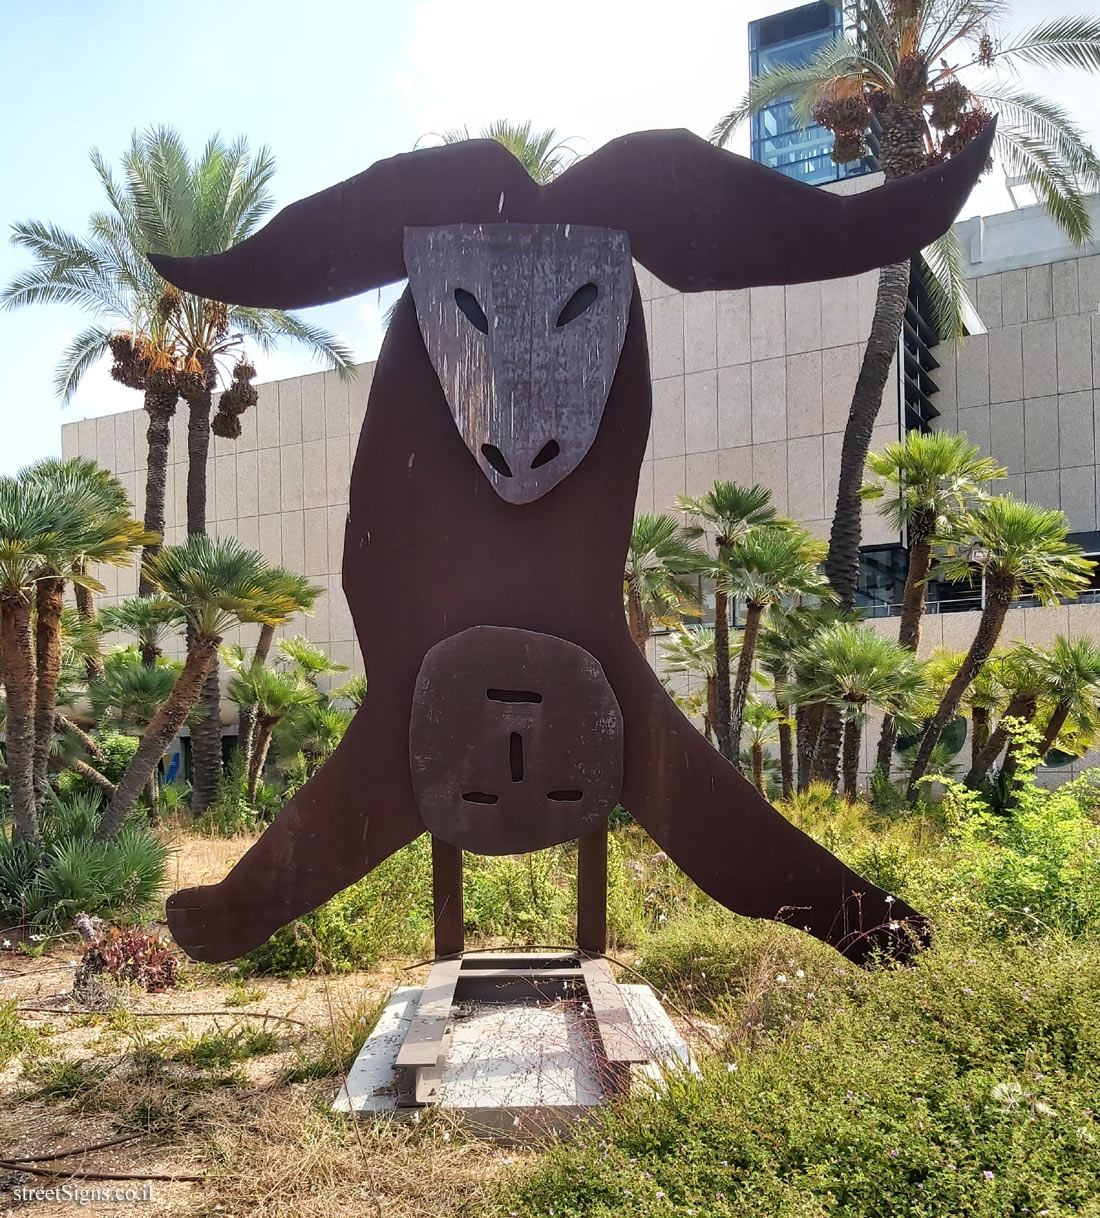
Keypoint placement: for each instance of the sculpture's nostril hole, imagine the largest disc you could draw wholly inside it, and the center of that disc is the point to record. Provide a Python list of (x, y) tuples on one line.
[(478, 797), (546, 454), (496, 459), (565, 797)]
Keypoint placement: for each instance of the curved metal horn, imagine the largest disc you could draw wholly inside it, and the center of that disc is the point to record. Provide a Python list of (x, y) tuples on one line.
[(701, 218), (348, 239)]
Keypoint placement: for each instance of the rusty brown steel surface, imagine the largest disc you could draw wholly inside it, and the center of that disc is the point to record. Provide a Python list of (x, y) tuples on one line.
[(449, 924), (592, 891), (515, 741), (427, 533), (523, 324)]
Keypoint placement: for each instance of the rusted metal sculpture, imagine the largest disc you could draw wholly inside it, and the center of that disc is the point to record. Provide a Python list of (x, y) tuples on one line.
[(492, 500)]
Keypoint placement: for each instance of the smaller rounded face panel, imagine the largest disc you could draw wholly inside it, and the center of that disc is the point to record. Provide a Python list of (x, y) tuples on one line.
[(524, 324), (515, 742)]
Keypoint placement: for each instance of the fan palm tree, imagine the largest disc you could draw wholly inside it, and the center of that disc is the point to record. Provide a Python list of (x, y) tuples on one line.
[(766, 567), (1073, 684), (272, 693), (107, 534), (659, 579), (215, 585), (924, 484), (1021, 675), (1019, 546), (690, 649), (301, 596), (762, 720), (926, 70), (728, 512), (985, 697), (150, 619), (309, 734), (856, 670), (353, 691), (308, 661)]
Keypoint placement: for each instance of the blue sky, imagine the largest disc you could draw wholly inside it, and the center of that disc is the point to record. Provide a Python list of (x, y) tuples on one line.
[(331, 86)]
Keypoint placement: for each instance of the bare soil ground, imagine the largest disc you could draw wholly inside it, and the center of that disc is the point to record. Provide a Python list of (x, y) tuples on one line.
[(224, 1079)]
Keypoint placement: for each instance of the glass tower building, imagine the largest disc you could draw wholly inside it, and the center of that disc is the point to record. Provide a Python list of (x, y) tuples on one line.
[(791, 38)]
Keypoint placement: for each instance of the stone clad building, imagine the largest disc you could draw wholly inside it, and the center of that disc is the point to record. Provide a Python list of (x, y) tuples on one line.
[(752, 386)]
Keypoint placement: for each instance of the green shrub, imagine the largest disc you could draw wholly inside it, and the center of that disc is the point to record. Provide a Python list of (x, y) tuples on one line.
[(16, 1036), (967, 1086)]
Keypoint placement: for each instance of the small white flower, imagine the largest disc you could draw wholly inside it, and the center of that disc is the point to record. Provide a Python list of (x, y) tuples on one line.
[(7, 943), (889, 900), (800, 973), (1027, 909), (894, 925), (731, 1067), (781, 976)]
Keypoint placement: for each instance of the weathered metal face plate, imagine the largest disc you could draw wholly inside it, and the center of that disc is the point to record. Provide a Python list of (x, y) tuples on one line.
[(515, 741), (523, 324)]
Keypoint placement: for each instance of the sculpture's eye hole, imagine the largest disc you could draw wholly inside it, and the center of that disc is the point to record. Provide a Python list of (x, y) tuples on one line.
[(475, 314), (581, 300)]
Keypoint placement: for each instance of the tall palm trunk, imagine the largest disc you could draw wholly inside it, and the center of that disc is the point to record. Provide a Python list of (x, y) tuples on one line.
[(912, 610), (49, 601), (786, 749), (722, 673), (999, 593), (158, 736), (712, 704), (826, 767), (1012, 757), (757, 750), (206, 734), (17, 662), (753, 614), (852, 739), (160, 405), (638, 618), (980, 764), (85, 607), (842, 562)]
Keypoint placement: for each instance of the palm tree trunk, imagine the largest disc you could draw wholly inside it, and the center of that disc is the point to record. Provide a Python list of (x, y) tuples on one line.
[(63, 724), (979, 734), (17, 665), (827, 757), (1055, 724), (786, 749), (206, 745), (246, 720), (49, 601), (995, 742), (842, 563), (638, 619), (85, 607), (852, 735), (757, 750), (912, 610), (259, 756), (158, 735), (722, 672), (753, 614), (999, 592), (807, 731), (160, 405), (712, 703)]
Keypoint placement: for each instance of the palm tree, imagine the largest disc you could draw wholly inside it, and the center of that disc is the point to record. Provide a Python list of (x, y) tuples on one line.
[(985, 697), (766, 567), (691, 650), (1021, 676), (924, 70), (924, 484), (309, 734), (166, 343), (150, 619), (1073, 682), (215, 585), (782, 634), (856, 670), (1018, 546), (106, 534), (308, 661), (730, 512), (658, 581), (540, 152), (301, 596), (272, 693), (762, 720)]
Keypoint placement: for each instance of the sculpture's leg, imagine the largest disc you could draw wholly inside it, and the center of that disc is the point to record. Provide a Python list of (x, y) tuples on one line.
[(356, 811), (733, 843)]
